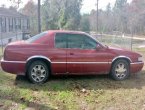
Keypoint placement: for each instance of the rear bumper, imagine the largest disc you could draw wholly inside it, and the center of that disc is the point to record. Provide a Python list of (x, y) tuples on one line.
[(136, 67), (14, 67)]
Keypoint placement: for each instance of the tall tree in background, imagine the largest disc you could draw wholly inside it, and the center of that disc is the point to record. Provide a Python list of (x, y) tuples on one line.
[(16, 2), (50, 14), (55, 14), (39, 16), (30, 9), (93, 20), (85, 23), (110, 18), (119, 14), (65, 16), (137, 15), (70, 14)]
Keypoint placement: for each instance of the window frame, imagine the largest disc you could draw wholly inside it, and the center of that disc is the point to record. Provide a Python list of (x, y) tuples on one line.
[(33, 39), (83, 35)]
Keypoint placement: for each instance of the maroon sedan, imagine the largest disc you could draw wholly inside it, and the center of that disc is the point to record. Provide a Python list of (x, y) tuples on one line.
[(58, 52)]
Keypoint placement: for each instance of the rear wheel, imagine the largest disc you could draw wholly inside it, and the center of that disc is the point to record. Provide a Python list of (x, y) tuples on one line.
[(38, 72), (120, 70)]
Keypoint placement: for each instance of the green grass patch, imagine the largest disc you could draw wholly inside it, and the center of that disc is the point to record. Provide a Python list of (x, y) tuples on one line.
[(73, 93)]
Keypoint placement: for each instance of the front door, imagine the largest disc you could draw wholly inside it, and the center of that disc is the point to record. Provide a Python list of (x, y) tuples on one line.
[(83, 57)]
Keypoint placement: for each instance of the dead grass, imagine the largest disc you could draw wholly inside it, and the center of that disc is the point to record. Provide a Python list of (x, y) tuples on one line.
[(73, 93)]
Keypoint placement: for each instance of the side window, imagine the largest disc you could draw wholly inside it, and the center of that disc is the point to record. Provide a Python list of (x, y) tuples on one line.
[(60, 40), (89, 43), (80, 41), (36, 37), (75, 41)]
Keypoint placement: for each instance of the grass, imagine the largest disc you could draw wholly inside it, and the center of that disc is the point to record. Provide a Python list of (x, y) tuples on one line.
[(73, 93)]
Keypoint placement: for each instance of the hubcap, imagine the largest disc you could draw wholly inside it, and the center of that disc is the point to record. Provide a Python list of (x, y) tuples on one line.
[(120, 70), (38, 73)]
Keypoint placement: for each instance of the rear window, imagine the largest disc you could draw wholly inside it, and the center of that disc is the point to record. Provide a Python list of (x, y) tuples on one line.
[(36, 37)]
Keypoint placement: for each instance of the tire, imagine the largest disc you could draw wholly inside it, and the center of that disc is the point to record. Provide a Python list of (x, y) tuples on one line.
[(38, 72), (120, 70)]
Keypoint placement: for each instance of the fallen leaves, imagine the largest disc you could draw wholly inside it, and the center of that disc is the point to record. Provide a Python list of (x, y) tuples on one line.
[(84, 90)]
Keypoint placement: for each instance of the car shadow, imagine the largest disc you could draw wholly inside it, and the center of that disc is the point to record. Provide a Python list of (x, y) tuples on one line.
[(89, 82)]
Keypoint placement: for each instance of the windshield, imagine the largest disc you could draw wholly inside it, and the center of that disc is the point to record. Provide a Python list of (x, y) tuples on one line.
[(36, 37)]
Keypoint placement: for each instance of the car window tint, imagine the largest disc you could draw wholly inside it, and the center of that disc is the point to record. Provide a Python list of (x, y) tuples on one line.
[(89, 43), (60, 40), (74, 41), (80, 41), (36, 37)]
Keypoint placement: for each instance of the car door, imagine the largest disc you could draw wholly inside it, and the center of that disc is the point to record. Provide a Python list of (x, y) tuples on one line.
[(59, 54), (83, 57)]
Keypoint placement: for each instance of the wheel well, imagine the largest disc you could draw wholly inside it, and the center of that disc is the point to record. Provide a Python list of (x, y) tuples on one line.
[(128, 61), (38, 59)]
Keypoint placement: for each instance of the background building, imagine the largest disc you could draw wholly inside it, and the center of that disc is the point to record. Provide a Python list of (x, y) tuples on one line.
[(13, 25)]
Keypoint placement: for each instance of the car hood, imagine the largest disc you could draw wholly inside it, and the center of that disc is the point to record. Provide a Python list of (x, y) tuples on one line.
[(123, 52)]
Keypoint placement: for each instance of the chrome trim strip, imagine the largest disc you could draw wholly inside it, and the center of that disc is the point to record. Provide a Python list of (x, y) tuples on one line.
[(57, 62), (121, 57), (12, 61), (82, 62), (137, 63), (38, 56)]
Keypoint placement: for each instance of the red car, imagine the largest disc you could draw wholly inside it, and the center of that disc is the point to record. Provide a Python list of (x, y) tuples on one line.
[(58, 52)]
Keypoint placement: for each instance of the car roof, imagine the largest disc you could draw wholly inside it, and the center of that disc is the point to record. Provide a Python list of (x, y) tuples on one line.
[(66, 31)]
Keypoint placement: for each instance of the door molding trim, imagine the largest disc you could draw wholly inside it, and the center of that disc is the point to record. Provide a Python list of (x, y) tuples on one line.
[(82, 62)]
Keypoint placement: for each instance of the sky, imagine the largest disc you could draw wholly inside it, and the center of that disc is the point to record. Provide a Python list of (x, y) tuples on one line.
[(87, 5)]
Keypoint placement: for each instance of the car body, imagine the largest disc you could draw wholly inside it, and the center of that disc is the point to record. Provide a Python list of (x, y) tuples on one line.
[(67, 52)]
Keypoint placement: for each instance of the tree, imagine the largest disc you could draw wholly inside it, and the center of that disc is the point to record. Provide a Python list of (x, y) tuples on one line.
[(120, 15), (108, 9), (39, 16), (16, 3), (137, 14), (93, 21), (30, 9), (70, 14), (50, 14), (120, 4), (65, 16), (85, 23)]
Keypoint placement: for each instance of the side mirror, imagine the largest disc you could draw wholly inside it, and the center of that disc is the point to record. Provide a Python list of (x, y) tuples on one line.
[(98, 47)]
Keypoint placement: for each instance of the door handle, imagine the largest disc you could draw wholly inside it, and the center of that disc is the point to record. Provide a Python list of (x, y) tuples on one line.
[(71, 53)]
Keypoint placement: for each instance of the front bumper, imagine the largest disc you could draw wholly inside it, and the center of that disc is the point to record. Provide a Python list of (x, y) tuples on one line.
[(14, 67), (136, 67)]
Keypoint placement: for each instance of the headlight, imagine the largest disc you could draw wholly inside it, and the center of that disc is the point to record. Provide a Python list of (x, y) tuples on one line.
[(140, 58)]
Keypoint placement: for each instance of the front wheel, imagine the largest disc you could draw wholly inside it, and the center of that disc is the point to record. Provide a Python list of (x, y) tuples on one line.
[(120, 70), (38, 72)]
